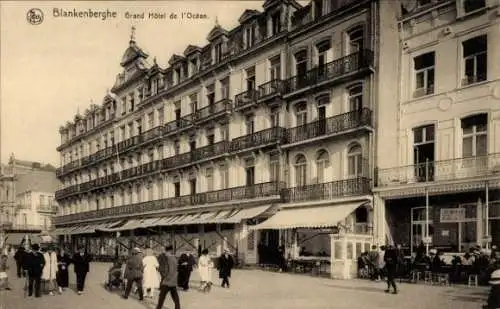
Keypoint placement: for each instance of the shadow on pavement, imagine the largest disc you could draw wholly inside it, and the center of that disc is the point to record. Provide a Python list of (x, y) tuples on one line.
[(357, 288)]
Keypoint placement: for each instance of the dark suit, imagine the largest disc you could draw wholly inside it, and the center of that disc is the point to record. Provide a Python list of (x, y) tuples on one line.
[(168, 273), (226, 263), (35, 263), (81, 264)]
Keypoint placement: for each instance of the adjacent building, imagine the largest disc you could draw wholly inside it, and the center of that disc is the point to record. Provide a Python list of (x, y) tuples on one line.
[(263, 137), (438, 152)]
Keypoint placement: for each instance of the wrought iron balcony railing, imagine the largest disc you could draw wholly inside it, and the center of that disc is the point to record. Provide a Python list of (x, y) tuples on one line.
[(245, 98), (258, 139), (210, 151), (274, 87), (47, 209), (177, 160), (179, 124), (436, 171), (267, 189), (208, 112), (324, 191), (329, 126), (330, 71)]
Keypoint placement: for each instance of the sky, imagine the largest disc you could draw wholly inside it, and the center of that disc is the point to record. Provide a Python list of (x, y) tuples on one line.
[(51, 70)]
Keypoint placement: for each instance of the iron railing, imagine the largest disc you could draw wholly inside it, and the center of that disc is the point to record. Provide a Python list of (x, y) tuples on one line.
[(329, 190), (274, 87), (182, 123), (260, 138), (245, 98), (210, 151), (333, 125), (332, 70), (444, 170), (218, 108), (267, 189)]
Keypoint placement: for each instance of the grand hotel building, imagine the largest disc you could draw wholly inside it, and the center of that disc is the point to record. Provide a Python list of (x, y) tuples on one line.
[(263, 137)]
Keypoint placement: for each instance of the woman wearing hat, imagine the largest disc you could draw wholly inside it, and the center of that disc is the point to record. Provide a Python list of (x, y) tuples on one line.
[(494, 297)]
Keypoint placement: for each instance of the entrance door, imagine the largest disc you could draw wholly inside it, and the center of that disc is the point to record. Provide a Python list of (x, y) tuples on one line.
[(423, 153), (250, 181), (418, 226), (269, 247), (321, 120)]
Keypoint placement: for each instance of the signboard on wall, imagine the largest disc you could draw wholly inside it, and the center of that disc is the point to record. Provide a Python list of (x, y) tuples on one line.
[(452, 215)]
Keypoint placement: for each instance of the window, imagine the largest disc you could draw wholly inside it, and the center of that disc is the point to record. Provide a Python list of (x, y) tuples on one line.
[(323, 49), (177, 147), (275, 117), (473, 5), (250, 36), (210, 95), (224, 131), (138, 124), (140, 93), (275, 70), (475, 60), (193, 102), (224, 176), (355, 161), (122, 197), (274, 167), (159, 150), (132, 101), (224, 88), (356, 98), (356, 40), (159, 188), (249, 124), (122, 133), (276, 23), (150, 191), (123, 108), (301, 62), (424, 74), (193, 63), (423, 152), (301, 114), (475, 136), (218, 52), (322, 163), (421, 3), (177, 110), (161, 116), (300, 170), (210, 137), (250, 78), (130, 129), (151, 120), (111, 200), (209, 175), (178, 75), (318, 8), (138, 193)]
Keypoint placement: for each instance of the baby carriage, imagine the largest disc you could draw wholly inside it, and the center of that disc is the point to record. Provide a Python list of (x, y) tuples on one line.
[(115, 279)]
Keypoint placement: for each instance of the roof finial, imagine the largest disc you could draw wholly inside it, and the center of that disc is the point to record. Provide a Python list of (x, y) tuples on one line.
[(78, 110), (154, 61), (216, 21), (132, 34)]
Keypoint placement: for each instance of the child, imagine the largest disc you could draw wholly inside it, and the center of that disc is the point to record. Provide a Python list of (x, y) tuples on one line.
[(4, 278), (115, 276)]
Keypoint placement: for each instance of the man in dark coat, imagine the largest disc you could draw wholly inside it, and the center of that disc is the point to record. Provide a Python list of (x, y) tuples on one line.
[(134, 272), (81, 263), (168, 273), (391, 264), (184, 271), (35, 263), (226, 263), (19, 256)]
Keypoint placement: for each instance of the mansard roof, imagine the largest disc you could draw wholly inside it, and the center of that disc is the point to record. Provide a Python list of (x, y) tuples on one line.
[(191, 49), (247, 15), (132, 53), (216, 32)]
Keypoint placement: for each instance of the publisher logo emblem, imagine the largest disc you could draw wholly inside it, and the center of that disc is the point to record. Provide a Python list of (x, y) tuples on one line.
[(34, 16)]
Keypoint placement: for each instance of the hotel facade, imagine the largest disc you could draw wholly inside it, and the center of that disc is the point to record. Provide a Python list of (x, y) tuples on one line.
[(262, 138), (438, 175)]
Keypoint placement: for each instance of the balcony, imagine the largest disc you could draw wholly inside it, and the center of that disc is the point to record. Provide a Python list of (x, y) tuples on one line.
[(210, 151), (46, 209), (438, 171), (67, 191), (213, 111), (177, 161), (246, 99), (67, 168), (271, 89), (176, 125), (330, 126), (258, 139), (338, 70), (261, 190), (20, 206), (329, 190)]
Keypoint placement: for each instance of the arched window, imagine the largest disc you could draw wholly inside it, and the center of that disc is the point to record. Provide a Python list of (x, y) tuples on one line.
[(301, 114), (300, 170), (322, 163), (355, 161)]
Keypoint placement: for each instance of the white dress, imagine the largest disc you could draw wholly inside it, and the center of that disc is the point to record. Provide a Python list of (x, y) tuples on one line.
[(151, 277), (205, 268), (50, 268)]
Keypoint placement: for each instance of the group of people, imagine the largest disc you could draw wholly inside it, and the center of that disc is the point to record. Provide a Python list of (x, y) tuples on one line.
[(166, 272), (49, 266)]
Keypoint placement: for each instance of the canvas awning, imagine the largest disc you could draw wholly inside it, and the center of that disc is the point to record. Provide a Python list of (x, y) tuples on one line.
[(308, 217), (63, 230), (244, 214), (170, 220), (14, 238)]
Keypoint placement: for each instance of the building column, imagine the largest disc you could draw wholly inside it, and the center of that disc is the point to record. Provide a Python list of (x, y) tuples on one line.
[(220, 242), (379, 221), (479, 222)]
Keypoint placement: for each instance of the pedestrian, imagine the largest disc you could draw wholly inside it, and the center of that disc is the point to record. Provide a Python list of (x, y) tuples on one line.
[(151, 275), (35, 263), (134, 272), (50, 269), (183, 269), (381, 263), (373, 257), (81, 263), (19, 258), (62, 276), (391, 264), (205, 266), (168, 273), (493, 301), (4, 277), (226, 263)]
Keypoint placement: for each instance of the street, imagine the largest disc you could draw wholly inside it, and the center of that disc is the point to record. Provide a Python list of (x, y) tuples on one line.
[(254, 289)]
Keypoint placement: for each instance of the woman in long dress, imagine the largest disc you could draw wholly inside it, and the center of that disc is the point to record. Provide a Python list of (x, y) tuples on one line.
[(63, 261), (205, 266), (151, 277), (50, 269)]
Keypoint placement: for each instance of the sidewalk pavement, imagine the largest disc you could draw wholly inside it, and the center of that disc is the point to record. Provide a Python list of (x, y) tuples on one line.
[(255, 289)]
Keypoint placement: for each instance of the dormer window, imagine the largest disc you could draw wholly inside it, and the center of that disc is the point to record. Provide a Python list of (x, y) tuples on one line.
[(140, 93), (218, 52), (193, 63), (276, 23), (124, 105), (154, 86), (250, 36), (132, 101), (178, 75), (185, 70), (318, 8)]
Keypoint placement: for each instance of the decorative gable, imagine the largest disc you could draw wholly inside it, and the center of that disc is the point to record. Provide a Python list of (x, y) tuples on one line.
[(271, 3), (191, 49), (132, 53), (247, 15), (216, 32)]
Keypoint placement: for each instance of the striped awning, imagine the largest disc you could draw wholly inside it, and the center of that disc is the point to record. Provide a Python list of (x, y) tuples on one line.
[(308, 217), (245, 213)]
